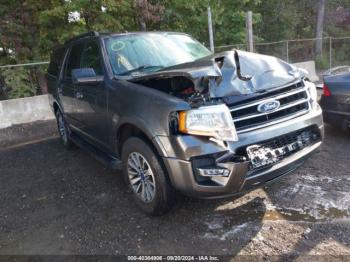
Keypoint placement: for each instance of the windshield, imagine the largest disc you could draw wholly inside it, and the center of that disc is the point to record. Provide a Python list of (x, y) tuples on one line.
[(144, 53)]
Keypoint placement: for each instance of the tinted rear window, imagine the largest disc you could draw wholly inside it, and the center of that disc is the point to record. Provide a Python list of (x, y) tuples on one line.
[(56, 62)]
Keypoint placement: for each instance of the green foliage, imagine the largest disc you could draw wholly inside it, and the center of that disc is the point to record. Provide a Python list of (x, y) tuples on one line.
[(56, 28), (322, 62), (341, 52), (17, 82), (288, 19), (191, 17), (30, 29)]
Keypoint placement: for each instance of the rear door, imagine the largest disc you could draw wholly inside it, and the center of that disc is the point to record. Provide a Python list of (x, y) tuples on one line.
[(66, 89), (54, 70)]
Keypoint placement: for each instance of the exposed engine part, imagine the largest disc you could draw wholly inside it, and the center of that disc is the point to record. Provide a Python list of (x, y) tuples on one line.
[(180, 86), (220, 61)]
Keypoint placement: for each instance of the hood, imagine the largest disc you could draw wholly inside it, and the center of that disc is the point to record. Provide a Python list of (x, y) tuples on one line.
[(233, 73)]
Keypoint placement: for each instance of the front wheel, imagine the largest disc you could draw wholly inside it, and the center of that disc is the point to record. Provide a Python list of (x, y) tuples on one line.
[(146, 178)]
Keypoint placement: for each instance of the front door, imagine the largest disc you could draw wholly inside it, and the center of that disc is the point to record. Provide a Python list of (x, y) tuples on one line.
[(91, 99)]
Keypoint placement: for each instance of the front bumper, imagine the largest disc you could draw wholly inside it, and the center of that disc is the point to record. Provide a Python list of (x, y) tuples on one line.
[(183, 150)]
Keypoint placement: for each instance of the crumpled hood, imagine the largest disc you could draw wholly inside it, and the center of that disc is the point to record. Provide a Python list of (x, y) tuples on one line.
[(251, 73), (264, 72)]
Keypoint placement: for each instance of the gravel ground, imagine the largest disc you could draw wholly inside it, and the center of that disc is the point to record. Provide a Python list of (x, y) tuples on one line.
[(55, 201)]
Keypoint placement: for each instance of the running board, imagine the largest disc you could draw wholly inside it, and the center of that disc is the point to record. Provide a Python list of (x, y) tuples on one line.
[(107, 160)]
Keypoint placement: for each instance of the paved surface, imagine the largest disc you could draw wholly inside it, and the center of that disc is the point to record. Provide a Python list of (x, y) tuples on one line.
[(55, 201)]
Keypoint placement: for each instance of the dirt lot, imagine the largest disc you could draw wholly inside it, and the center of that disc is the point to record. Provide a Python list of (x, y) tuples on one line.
[(55, 201)]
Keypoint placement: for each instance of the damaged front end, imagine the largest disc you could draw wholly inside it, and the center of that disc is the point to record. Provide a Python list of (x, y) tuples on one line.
[(248, 125), (214, 86), (233, 73)]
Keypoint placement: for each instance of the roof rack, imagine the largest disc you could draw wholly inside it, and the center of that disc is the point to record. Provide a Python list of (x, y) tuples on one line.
[(92, 33)]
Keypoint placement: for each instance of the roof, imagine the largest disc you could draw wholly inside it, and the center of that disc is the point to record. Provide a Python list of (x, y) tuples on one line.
[(96, 34)]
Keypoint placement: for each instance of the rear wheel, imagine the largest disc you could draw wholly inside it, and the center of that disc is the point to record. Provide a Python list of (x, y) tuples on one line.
[(146, 178), (63, 130)]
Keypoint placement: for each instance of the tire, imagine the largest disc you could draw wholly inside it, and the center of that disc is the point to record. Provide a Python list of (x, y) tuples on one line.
[(163, 197), (63, 130)]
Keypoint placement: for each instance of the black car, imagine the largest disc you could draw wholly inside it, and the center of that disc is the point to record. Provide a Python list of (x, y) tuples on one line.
[(335, 100), (176, 118)]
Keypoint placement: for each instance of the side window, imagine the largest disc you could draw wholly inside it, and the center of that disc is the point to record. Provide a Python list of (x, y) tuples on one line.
[(90, 57), (73, 60), (56, 62)]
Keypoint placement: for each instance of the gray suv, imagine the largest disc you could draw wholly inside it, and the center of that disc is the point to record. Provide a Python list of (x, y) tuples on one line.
[(174, 117)]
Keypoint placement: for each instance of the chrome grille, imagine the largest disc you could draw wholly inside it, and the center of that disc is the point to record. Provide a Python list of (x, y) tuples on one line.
[(293, 99)]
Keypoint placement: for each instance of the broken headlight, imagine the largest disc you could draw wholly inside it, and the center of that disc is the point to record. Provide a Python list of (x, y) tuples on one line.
[(211, 121)]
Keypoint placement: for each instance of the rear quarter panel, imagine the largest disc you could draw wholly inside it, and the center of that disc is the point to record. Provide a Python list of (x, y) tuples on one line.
[(339, 86)]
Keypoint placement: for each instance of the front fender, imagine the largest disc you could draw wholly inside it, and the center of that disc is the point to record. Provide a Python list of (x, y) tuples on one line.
[(143, 107)]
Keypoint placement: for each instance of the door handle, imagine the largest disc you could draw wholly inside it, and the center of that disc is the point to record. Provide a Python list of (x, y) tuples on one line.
[(79, 95)]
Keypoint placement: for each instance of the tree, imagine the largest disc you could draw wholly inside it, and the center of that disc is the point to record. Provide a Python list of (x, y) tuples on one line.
[(30, 29), (19, 35), (146, 12), (191, 17)]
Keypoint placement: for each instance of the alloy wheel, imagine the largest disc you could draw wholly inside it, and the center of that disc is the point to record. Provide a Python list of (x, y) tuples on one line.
[(141, 177), (62, 128)]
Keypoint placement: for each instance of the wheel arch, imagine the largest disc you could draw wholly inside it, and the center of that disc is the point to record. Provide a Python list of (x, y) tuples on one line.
[(127, 130), (57, 106)]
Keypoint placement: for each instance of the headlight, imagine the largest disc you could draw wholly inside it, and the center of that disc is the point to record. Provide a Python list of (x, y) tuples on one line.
[(212, 121), (312, 90)]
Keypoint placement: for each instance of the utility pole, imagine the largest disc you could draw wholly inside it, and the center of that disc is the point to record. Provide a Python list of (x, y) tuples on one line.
[(330, 52), (319, 26), (249, 31), (210, 29)]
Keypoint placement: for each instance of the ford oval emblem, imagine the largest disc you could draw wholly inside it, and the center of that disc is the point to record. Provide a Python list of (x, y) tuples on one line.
[(268, 106)]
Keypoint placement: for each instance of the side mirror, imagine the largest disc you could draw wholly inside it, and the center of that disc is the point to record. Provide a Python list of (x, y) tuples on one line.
[(85, 76)]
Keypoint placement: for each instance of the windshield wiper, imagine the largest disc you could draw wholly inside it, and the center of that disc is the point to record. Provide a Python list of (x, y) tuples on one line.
[(140, 68)]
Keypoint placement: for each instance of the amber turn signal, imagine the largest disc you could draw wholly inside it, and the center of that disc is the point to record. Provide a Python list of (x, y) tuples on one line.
[(182, 122)]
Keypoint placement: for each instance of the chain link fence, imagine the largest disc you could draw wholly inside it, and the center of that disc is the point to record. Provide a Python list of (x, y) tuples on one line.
[(335, 51)]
